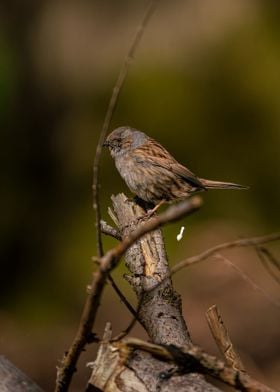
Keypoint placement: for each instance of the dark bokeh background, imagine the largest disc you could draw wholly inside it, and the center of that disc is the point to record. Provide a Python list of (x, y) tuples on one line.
[(206, 84)]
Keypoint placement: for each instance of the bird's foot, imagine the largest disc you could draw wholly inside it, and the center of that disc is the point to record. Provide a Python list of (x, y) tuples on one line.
[(151, 212)]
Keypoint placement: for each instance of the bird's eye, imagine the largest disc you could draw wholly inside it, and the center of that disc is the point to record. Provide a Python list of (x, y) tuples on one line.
[(126, 143)]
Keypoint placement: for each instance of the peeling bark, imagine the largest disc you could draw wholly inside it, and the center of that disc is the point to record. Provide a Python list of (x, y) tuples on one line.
[(160, 313)]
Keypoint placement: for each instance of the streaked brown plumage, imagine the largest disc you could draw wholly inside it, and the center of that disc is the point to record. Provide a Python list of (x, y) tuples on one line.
[(151, 172)]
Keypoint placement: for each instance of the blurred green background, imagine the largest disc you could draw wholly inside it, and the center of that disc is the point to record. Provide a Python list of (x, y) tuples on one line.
[(206, 84)]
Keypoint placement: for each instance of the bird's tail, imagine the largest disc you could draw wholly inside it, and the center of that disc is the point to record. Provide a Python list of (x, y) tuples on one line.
[(210, 184)]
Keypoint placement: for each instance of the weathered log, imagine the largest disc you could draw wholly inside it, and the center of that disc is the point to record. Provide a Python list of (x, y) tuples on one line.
[(14, 380), (160, 313)]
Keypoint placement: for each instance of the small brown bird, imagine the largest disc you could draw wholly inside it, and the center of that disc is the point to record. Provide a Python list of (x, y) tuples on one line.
[(151, 172)]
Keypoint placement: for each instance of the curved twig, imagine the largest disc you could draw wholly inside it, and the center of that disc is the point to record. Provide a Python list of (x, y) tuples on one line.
[(108, 117), (244, 242), (122, 296), (269, 261), (248, 280)]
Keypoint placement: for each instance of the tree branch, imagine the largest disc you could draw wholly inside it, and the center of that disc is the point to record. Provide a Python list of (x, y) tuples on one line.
[(159, 311), (222, 338), (121, 296), (132, 322), (194, 359), (109, 230), (244, 242), (84, 334)]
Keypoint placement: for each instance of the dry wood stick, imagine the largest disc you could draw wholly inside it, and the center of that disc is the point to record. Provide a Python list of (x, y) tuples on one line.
[(222, 338)]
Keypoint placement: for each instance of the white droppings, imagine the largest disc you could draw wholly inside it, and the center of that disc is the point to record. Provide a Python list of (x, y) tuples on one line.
[(180, 235)]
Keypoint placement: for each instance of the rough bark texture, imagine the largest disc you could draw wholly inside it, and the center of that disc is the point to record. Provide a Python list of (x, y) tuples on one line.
[(14, 380), (160, 313)]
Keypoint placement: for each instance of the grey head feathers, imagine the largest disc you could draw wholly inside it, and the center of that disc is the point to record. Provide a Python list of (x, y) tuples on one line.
[(124, 139)]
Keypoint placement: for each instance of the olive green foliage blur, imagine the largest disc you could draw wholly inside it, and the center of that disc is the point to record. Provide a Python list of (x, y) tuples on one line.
[(215, 107)]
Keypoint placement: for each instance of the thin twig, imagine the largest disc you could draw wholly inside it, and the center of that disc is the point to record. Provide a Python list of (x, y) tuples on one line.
[(135, 318), (122, 297), (271, 257), (194, 359), (106, 264), (248, 280), (221, 336), (244, 242), (213, 252), (108, 117), (268, 260), (109, 230)]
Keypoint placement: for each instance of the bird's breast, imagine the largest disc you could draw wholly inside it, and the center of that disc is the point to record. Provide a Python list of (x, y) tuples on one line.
[(129, 171)]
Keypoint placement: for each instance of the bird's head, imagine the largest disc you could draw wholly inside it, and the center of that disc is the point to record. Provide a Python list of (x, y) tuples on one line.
[(123, 140)]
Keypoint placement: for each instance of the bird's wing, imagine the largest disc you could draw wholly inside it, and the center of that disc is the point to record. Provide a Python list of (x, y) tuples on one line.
[(187, 175), (152, 153)]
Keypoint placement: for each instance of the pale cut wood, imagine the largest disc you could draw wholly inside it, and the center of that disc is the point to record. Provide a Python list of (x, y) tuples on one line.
[(222, 338)]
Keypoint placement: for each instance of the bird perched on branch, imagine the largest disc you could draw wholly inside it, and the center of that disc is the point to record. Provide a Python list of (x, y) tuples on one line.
[(151, 172)]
